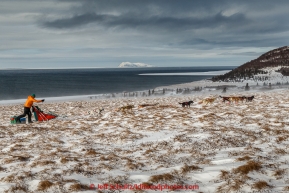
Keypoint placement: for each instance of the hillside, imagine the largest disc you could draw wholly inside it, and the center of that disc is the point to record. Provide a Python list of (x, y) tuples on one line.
[(218, 147), (277, 59)]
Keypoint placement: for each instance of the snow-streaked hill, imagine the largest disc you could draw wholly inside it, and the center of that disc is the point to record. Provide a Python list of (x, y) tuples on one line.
[(275, 58)]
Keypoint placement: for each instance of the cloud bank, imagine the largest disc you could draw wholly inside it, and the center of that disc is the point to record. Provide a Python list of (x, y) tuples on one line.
[(163, 32)]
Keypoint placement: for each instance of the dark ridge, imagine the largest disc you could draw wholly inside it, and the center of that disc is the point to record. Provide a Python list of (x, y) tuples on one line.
[(273, 58)]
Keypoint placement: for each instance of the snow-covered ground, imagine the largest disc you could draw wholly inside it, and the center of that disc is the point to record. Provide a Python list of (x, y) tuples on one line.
[(218, 147)]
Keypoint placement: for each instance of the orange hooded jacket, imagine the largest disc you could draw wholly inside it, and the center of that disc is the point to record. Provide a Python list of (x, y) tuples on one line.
[(30, 100)]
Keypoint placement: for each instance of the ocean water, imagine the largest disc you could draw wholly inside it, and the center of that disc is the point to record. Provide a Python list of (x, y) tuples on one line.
[(17, 84)]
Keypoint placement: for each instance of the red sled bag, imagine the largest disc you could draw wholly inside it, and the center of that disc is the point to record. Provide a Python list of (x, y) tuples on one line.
[(41, 116)]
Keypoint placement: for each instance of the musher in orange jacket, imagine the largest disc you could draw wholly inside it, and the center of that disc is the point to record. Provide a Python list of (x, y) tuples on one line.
[(28, 104)]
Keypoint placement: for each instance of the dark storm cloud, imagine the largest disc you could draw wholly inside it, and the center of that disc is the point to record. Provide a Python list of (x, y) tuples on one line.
[(174, 6), (131, 20), (75, 21), (187, 22), (232, 18)]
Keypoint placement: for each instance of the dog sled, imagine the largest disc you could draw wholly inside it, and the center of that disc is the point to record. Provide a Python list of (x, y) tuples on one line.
[(38, 114), (41, 116)]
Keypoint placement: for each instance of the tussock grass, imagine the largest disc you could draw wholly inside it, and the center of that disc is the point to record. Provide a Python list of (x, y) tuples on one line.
[(56, 140), (64, 160), (280, 151), (280, 139), (9, 160), (230, 187), (2, 169), (42, 163), (224, 175), (248, 167), (188, 168), (44, 185), (91, 152), (205, 161), (166, 177), (118, 179), (18, 187), (279, 173), (21, 158), (261, 185), (10, 178), (235, 185), (133, 166), (78, 187), (244, 158)]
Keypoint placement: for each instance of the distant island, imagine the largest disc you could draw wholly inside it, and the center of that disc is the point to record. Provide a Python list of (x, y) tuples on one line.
[(134, 65)]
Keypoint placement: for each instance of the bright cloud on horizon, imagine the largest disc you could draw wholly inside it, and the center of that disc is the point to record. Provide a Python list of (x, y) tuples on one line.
[(95, 33), (134, 64)]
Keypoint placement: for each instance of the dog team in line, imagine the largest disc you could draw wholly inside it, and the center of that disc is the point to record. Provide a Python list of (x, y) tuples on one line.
[(205, 101), (229, 99)]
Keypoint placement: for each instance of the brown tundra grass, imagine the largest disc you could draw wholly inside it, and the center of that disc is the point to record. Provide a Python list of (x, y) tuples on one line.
[(2, 169), (245, 158), (64, 160), (11, 178), (91, 152), (248, 167), (278, 173), (231, 186), (260, 185), (42, 163), (78, 187), (161, 177), (186, 168), (17, 188), (280, 139), (224, 175), (44, 185), (280, 151)]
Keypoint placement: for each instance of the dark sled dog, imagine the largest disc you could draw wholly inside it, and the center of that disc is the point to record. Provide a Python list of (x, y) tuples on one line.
[(186, 104), (249, 99)]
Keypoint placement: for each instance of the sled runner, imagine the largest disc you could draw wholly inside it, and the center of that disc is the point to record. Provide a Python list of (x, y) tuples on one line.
[(13, 120)]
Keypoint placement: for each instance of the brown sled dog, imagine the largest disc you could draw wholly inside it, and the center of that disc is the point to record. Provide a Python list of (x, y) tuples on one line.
[(124, 108), (147, 105), (207, 101), (235, 99), (225, 99)]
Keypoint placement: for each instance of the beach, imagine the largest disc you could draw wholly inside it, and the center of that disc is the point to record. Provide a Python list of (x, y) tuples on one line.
[(155, 146)]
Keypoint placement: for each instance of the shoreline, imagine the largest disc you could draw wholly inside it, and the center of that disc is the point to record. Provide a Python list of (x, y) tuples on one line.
[(120, 89), (99, 96), (201, 87)]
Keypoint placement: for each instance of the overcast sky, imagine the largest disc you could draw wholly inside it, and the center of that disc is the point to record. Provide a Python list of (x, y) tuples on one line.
[(104, 33)]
